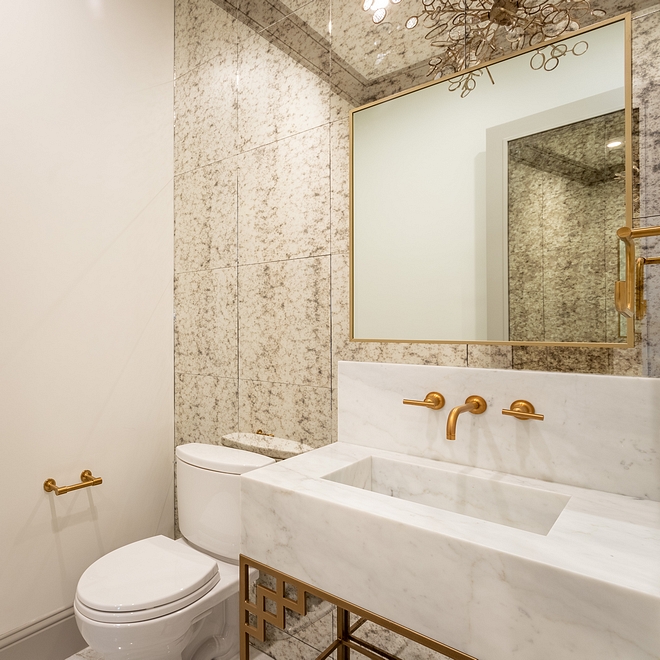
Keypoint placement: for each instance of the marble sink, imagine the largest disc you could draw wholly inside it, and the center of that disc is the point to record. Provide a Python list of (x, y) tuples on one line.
[(479, 496), (496, 565)]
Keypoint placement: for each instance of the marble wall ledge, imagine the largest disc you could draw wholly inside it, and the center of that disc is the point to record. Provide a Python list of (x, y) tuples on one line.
[(600, 432), (277, 448)]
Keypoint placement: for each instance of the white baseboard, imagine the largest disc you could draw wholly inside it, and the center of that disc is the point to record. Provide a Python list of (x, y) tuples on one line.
[(55, 637)]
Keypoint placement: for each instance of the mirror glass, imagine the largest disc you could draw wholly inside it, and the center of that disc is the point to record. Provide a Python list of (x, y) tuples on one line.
[(485, 206)]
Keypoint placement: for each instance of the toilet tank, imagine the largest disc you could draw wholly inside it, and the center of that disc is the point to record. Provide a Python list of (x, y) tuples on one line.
[(209, 495)]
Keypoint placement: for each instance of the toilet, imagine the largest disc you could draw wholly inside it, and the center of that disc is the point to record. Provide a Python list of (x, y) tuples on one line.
[(158, 598)]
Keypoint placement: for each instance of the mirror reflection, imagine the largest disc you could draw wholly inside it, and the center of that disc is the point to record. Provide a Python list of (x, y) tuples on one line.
[(491, 215)]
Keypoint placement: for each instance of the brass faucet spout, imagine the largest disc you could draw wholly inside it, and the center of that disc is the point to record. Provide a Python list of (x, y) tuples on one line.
[(473, 404)]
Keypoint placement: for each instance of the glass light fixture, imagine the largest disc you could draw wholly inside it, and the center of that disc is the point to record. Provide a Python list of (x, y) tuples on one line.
[(379, 8), (467, 33)]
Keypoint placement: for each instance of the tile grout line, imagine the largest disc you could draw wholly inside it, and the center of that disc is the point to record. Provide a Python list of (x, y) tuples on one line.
[(255, 148), (238, 324)]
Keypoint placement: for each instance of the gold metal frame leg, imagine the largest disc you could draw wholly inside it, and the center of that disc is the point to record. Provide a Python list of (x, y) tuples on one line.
[(343, 633), (345, 640)]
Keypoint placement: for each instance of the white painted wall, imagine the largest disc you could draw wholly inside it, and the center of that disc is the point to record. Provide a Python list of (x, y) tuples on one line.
[(86, 348)]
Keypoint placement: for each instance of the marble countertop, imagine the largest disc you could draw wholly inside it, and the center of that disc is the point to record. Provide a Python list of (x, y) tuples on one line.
[(592, 584)]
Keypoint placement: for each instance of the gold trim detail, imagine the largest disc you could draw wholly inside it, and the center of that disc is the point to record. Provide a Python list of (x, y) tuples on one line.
[(433, 400), (345, 639), (87, 479), (627, 303), (524, 410), (630, 325), (640, 301)]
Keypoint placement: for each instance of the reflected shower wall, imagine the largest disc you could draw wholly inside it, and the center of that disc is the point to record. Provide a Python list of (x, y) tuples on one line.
[(566, 199)]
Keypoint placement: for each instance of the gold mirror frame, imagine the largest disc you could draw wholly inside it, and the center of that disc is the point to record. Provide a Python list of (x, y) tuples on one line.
[(626, 18)]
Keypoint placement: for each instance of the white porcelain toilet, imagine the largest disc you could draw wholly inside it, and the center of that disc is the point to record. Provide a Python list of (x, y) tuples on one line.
[(159, 598)]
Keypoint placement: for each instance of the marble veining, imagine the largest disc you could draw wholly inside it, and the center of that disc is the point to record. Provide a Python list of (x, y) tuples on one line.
[(268, 112), (284, 188), (284, 321), (205, 407), (514, 593), (205, 106), (205, 217), (278, 448), (298, 412), (565, 205), (205, 332), (339, 181), (202, 31), (622, 441)]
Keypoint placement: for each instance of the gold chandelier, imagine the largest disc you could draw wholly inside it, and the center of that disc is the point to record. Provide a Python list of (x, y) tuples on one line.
[(466, 33)]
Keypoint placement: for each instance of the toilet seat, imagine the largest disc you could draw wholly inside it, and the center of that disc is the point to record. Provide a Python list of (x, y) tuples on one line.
[(145, 580)]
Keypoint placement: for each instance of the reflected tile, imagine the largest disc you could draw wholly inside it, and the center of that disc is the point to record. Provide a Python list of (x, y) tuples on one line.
[(530, 358), (284, 192), (202, 30), (268, 112), (284, 321), (574, 280), (525, 234), (627, 361), (580, 360), (413, 651), (304, 37), (259, 15), (566, 359), (489, 356), (205, 409), (382, 637), (284, 646), (205, 111), (287, 411), (205, 217), (205, 323), (651, 324), (339, 185), (646, 80)]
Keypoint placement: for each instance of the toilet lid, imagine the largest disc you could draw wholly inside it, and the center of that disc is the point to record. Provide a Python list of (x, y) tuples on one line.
[(144, 575), (221, 459)]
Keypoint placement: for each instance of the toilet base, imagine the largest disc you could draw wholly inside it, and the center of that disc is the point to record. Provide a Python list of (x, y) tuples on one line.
[(205, 630)]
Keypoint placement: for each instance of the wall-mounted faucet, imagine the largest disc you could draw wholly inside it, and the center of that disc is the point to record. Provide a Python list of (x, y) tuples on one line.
[(473, 404)]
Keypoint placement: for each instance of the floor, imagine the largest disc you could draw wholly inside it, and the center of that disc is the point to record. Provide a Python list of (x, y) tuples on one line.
[(89, 654), (86, 654)]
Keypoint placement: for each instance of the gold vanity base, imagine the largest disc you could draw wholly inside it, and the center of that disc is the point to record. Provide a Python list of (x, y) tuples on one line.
[(345, 640)]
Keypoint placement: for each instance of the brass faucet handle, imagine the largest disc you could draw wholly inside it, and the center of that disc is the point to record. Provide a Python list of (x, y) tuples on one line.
[(524, 410), (433, 400), (478, 403)]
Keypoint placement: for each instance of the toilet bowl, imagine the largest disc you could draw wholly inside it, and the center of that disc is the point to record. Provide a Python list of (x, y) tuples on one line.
[(158, 598)]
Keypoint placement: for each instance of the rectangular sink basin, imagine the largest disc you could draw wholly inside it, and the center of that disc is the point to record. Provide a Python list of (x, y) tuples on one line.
[(530, 509)]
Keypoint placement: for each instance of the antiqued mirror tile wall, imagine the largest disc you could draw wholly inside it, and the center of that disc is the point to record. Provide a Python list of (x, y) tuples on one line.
[(261, 204), (261, 230)]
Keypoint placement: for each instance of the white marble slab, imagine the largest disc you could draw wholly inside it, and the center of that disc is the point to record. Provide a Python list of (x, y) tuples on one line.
[(600, 432), (589, 589), (267, 445)]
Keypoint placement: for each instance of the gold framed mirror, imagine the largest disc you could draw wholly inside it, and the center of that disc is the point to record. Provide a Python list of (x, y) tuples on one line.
[(485, 204)]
